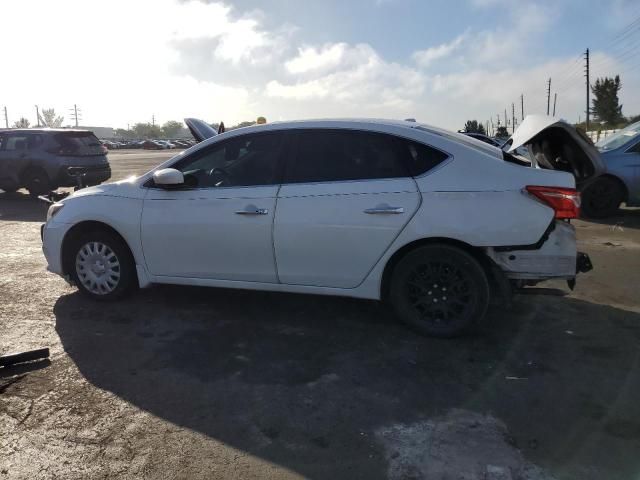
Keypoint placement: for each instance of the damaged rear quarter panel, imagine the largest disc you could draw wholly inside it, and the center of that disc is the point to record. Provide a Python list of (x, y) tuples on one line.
[(481, 219)]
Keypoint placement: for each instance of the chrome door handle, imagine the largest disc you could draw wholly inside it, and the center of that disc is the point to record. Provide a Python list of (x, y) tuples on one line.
[(385, 210), (253, 211)]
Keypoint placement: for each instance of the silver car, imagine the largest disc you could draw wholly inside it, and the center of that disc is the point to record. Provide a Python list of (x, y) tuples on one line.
[(621, 180)]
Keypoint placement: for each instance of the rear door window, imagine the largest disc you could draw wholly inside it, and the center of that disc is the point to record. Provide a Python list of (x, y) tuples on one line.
[(15, 142), (325, 155)]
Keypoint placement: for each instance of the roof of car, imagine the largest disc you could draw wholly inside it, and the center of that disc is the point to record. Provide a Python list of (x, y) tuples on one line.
[(360, 123), (346, 122)]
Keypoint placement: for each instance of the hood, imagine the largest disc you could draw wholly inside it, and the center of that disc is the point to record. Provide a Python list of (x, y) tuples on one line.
[(557, 145), (128, 188), (200, 129)]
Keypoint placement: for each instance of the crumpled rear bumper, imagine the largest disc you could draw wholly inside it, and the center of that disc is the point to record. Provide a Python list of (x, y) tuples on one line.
[(556, 257)]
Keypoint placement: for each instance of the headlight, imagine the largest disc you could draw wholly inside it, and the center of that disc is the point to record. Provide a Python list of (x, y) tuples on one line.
[(53, 209)]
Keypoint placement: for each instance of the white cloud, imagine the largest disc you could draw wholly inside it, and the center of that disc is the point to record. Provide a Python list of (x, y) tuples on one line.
[(358, 74), (316, 59), (424, 58)]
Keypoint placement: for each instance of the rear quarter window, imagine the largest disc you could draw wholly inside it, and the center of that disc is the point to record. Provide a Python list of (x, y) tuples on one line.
[(420, 157)]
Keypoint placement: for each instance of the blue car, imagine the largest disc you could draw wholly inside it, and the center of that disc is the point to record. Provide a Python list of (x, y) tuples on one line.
[(620, 181)]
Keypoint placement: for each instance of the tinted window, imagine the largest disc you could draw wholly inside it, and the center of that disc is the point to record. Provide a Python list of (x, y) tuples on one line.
[(335, 155), (77, 140), (635, 148), (15, 142), (420, 157), (34, 141), (252, 159)]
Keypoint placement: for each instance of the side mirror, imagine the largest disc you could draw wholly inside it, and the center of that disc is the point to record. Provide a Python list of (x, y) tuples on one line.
[(168, 178)]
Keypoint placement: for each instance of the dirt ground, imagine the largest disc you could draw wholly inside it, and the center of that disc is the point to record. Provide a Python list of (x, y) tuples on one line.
[(179, 382)]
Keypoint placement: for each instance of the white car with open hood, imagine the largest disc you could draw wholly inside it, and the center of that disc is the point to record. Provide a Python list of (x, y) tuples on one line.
[(436, 223)]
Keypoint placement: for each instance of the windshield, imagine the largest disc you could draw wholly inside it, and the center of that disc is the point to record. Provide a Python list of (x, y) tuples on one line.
[(619, 138)]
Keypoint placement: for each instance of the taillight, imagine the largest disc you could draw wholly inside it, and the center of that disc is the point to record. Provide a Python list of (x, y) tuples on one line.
[(564, 201)]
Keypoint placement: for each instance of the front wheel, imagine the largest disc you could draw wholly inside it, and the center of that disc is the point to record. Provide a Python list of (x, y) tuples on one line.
[(101, 265), (602, 198), (439, 290)]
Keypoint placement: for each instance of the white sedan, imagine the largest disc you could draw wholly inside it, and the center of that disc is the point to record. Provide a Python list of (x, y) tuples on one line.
[(432, 221)]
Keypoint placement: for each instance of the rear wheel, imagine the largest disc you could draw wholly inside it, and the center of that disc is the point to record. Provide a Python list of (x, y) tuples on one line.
[(439, 290), (101, 265), (602, 198), (36, 181)]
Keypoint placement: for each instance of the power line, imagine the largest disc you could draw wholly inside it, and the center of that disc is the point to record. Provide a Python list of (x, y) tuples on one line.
[(622, 34)]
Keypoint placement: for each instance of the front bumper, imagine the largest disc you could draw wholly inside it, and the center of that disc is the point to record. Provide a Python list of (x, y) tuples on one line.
[(52, 235)]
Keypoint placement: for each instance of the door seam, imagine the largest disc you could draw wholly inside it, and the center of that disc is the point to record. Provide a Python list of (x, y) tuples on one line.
[(273, 234)]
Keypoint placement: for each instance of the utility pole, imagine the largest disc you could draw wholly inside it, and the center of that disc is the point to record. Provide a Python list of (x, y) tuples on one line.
[(6, 118), (153, 120), (586, 56), (548, 94), (513, 118), (38, 116), (555, 97), (76, 113), (506, 119), (521, 106)]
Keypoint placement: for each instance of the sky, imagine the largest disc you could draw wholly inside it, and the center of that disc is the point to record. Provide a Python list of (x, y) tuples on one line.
[(440, 62)]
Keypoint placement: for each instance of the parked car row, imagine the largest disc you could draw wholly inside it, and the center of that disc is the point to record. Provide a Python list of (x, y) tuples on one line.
[(147, 144)]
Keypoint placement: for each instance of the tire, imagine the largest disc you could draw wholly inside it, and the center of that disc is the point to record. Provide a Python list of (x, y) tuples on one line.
[(439, 290), (36, 181), (602, 198), (101, 265)]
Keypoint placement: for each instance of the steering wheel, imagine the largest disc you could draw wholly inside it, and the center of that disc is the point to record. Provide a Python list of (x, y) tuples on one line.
[(220, 172)]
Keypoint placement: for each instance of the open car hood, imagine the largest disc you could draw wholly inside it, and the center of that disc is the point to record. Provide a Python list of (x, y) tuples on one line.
[(199, 129), (557, 145)]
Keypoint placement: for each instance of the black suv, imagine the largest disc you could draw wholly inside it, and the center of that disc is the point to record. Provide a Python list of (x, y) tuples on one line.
[(39, 159)]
